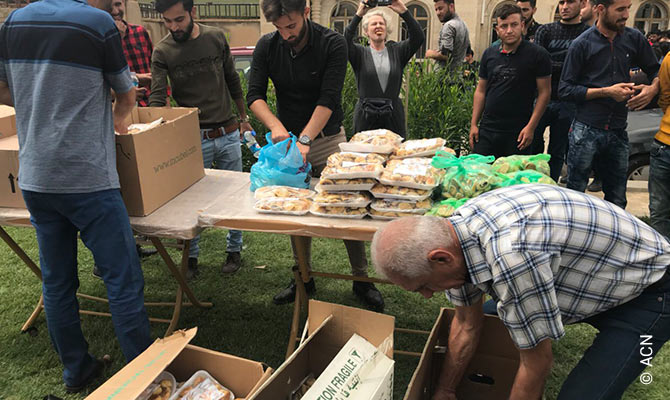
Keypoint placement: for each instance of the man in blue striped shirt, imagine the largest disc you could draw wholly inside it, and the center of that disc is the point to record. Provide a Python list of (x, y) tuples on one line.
[(58, 61), (548, 257)]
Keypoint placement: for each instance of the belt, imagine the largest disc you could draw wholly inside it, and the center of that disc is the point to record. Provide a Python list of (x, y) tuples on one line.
[(209, 134)]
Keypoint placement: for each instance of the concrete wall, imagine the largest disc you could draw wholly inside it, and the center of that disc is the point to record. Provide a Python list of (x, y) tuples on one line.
[(238, 33)]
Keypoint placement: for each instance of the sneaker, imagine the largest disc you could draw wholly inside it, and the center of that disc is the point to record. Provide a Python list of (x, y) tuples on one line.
[(96, 372), (233, 263), (287, 295), (368, 294), (96, 271), (192, 271), (596, 185)]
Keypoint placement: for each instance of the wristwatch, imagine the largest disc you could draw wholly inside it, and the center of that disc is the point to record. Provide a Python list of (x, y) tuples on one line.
[(305, 140)]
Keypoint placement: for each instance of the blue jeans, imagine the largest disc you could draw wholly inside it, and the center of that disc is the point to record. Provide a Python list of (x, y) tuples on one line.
[(615, 358), (558, 116), (659, 188), (222, 153), (102, 220), (610, 150)]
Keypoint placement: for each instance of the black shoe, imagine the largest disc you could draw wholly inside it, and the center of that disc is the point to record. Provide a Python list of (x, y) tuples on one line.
[(288, 295), (96, 271), (192, 271), (143, 253), (232, 264), (368, 294), (96, 371), (595, 186)]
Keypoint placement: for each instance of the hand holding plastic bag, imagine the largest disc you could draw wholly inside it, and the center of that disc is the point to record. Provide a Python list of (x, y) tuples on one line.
[(280, 164)]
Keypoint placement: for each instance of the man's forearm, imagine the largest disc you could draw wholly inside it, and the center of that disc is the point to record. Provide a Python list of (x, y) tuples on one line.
[(462, 345), (477, 107), (596, 93), (241, 108), (123, 105), (540, 107), (534, 368), (317, 122), (264, 114)]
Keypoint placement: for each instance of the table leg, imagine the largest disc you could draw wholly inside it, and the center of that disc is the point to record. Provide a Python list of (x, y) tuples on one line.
[(301, 253), (295, 323), (19, 252), (33, 317)]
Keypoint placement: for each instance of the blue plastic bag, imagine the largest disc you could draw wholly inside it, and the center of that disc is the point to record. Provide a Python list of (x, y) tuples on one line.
[(277, 166)]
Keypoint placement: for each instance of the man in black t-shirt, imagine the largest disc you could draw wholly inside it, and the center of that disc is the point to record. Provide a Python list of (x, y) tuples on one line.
[(509, 76), (556, 39)]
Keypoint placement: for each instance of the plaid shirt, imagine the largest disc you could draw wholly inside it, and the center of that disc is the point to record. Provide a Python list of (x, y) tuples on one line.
[(137, 48), (551, 256)]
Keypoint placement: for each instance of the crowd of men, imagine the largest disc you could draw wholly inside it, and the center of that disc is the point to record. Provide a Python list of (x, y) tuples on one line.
[(547, 256)]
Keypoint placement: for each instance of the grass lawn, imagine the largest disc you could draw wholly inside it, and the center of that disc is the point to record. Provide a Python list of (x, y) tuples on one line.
[(243, 321)]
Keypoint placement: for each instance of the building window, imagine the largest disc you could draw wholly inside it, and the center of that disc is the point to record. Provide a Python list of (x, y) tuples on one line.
[(494, 22), (422, 17), (651, 16), (342, 15)]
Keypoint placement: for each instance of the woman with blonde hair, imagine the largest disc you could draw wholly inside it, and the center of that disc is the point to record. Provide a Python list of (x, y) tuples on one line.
[(379, 67)]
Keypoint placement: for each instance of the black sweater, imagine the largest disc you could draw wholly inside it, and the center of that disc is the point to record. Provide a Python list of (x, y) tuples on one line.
[(366, 75)]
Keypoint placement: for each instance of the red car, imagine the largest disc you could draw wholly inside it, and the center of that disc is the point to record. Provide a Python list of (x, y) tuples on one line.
[(242, 58)]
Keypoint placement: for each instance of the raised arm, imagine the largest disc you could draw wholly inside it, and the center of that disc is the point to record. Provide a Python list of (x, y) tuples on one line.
[(354, 50), (416, 37)]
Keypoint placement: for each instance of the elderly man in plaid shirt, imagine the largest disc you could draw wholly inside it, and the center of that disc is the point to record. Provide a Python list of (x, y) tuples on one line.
[(549, 257), (137, 48)]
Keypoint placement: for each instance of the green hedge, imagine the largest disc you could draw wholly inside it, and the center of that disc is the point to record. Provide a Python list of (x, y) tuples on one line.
[(437, 106)]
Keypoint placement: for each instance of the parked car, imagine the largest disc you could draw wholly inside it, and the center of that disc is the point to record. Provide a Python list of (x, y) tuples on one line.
[(642, 127), (242, 57)]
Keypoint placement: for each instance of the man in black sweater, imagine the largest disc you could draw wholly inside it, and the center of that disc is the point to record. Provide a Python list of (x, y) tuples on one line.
[(556, 39)]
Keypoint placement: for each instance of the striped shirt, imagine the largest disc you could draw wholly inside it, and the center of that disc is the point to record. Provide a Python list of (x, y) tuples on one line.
[(551, 256), (60, 59)]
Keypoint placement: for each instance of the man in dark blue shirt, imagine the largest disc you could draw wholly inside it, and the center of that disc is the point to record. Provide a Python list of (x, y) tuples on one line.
[(596, 75)]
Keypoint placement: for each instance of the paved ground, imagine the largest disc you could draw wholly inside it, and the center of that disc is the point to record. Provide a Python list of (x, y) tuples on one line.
[(638, 198)]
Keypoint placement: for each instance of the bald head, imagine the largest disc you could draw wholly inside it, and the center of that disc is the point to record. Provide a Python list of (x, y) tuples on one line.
[(402, 247)]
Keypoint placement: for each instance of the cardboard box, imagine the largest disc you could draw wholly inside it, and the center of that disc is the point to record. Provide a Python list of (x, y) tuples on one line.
[(490, 374), (330, 326), (182, 360), (10, 194), (157, 164)]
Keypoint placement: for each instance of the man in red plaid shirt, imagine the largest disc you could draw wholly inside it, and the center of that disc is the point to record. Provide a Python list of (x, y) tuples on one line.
[(137, 49)]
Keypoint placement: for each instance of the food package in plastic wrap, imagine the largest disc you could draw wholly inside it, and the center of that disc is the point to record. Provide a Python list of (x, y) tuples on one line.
[(352, 170), (342, 199), (538, 162), (389, 215), (446, 208), (398, 192), (283, 192), (389, 205), (339, 212), (416, 173), (275, 205), (201, 386), (467, 176), (380, 141), (522, 177), (338, 185), (161, 388), (337, 159), (421, 148)]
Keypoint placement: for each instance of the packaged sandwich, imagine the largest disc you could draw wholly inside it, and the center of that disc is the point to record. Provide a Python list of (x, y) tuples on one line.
[(421, 148), (537, 162), (283, 192), (446, 208), (416, 173), (342, 199), (389, 215), (389, 205), (161, 388), (336, 185), (380, 141), (337, 159), (399, 192), (201, 386), (276, 205), (339, 212), (352, 170)]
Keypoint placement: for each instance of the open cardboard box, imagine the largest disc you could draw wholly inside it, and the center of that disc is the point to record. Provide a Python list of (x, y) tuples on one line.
[(330, 326), (182, 360), (157, 164), (490, 374), (10, 194)]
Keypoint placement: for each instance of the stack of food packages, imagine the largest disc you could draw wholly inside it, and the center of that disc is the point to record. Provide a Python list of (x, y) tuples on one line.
[(469, 176), (200, 386)]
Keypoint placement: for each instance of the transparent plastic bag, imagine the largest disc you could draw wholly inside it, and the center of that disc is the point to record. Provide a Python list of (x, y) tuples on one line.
[(537, 162), (523, 177), (467, 176), (446, 208)]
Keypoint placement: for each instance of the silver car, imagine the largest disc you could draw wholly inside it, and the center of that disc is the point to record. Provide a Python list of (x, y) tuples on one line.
[(642, 127)]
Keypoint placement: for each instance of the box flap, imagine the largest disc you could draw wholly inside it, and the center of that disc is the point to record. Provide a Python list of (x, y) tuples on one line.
[(132, 379), (374, 327), (7, 121)]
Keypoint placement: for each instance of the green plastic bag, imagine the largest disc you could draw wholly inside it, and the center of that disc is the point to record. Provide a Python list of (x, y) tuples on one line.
[(467, 177), (538, 162), (446, 208), (522, 177), (446, 160)]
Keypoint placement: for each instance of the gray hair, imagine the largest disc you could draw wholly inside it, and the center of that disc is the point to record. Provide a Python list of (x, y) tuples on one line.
[(366, 21), (407, 254)]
